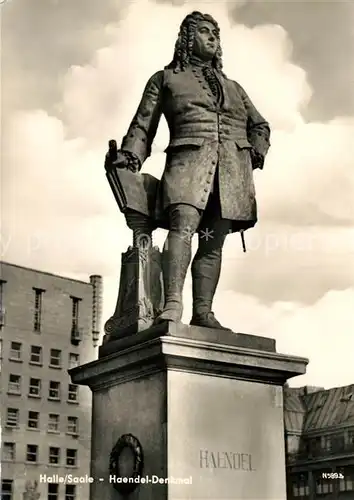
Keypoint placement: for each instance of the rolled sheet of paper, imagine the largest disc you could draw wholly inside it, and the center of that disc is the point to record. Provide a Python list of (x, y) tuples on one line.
[(112, 150)]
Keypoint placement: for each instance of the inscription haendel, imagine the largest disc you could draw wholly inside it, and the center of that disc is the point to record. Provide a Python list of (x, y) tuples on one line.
[(225, 460)]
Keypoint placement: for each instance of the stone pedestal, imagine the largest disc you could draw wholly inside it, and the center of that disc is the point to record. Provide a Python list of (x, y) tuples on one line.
[(206, 407)]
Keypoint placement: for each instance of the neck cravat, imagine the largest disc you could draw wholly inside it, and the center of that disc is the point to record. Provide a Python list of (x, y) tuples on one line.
[(210, 77)]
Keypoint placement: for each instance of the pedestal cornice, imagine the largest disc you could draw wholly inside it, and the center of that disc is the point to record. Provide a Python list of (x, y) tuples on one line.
[(199, 353)]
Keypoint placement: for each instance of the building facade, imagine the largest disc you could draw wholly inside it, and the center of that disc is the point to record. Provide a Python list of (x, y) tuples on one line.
[(49, 324), (319, 426)]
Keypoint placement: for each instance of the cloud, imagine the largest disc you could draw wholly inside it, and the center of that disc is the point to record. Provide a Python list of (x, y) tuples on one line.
[(289, 263), (318, 332), (308, 178), (323, 43), (41, 39), (59, 214)]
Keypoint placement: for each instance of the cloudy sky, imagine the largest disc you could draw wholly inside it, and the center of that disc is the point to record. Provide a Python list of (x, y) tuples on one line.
[(72, 75)]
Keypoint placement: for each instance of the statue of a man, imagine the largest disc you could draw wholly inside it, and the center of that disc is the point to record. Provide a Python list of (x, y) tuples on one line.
[(217, 139)]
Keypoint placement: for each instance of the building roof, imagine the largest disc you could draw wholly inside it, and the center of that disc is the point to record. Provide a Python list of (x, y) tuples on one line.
[(329, 408), (37, 271), (294, 411), (315, 410)]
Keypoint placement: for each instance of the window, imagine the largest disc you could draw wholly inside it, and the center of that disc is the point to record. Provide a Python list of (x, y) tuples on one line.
[(72, 393), (324, 486), (74, 360), (347, 483), (34, 387), (338, 442), (75, 314), (55, 358), (53, 491), (2, 308), (54, 390), (15, 351), (36, 354), (348, 393), (326, 443), (349, 440), (71, 457), (300, 486), (70, 493), (293, 443), (12, 417), (14, 386), (75, 330), (9, 451), (32, 453), (38, 294), (33, 419), (6, 489), (53, 422), (73, 426), (54, 455)]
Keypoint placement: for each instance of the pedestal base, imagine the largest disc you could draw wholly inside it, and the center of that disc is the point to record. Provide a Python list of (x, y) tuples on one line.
[(206, 407)]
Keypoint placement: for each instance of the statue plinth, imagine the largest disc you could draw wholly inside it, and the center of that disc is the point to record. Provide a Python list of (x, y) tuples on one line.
[(199, 407)]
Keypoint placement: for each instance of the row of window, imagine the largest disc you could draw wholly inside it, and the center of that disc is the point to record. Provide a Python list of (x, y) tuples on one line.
[(320, 446), (13, 420), (301, 487), (36, 356), (35, 389), (7, 490), (32, 453), (38, 307), (330, 443), (33, 421)]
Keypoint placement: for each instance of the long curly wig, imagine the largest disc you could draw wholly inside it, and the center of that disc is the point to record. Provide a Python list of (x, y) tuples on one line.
[(185, 42)]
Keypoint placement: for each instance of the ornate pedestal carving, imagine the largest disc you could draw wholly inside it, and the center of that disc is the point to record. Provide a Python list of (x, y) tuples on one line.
[(140, 296)]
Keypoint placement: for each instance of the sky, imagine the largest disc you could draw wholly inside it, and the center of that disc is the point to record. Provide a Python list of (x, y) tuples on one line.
[(72, 77)]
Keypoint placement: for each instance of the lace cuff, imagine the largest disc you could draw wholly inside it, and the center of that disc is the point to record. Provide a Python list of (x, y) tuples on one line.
[(257, 159), (133, 162)]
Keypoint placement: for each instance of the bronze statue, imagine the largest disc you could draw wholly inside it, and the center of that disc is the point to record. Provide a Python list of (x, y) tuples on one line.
[(217, 139)]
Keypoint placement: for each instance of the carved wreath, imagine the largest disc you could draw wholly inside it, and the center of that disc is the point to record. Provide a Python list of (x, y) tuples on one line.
[(126, 441)]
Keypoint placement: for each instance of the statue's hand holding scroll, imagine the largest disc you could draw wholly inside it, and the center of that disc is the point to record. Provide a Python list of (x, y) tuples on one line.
[(114, 158), (120, 159)]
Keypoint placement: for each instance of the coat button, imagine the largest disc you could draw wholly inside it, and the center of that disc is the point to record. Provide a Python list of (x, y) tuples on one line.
[(206, 190)]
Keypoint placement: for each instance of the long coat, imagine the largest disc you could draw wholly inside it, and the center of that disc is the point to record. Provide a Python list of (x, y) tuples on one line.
[(206, 140)]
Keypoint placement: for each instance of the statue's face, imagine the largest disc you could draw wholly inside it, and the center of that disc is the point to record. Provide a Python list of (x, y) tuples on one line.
[(206, 40)]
